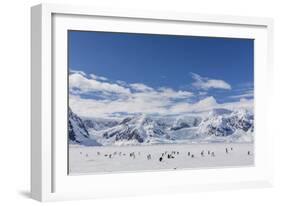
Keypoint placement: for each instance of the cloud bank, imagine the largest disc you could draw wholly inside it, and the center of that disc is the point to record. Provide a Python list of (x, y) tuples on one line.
[(95, 96)]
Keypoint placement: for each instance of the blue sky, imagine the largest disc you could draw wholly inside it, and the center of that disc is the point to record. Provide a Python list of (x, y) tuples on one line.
[(221, 68)]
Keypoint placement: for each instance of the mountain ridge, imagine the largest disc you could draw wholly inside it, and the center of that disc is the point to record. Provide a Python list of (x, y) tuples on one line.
[(219, 125)]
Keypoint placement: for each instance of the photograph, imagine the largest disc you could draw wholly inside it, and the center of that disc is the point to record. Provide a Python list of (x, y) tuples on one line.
[(150, 102)]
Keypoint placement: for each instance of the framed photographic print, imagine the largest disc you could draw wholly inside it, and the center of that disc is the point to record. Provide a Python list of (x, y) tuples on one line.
[(149, 109), (134, 102)]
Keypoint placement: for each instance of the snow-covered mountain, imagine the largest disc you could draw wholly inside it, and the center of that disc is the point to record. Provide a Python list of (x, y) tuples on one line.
[(77, 132), (225, 125), (99, 123), (136, 130), (185, 122), (219, 125)]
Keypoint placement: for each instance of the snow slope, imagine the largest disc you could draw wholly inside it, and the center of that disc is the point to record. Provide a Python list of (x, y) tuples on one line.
[(77, 132)]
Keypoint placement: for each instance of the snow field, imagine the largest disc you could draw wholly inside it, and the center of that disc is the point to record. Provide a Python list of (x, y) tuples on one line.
[(106, 159)]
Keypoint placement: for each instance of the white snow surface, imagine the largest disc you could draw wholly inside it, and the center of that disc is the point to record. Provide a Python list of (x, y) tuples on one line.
[(91, 160)]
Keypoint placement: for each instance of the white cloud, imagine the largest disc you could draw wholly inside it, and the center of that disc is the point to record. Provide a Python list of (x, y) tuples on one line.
[(77, 72), (246, 94), (81, 84), (135, 98), (98, 108), (202, 105), (170, 93), (128, 98), (105, 108), (98, 77), (140, 87), (206, 83), (121, 83), (241, 104)]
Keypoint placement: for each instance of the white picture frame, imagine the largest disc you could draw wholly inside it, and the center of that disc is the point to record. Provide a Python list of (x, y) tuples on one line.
[(49, 179)]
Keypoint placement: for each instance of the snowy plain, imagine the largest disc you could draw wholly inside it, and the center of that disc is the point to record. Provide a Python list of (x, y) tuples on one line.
[(93, 160)]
